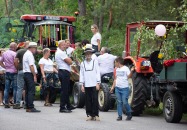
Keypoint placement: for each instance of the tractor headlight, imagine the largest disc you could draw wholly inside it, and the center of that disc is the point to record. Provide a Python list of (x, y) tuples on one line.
[(145, 65)]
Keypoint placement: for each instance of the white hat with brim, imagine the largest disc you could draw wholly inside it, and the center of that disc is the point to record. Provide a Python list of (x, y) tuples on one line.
[(32, 44), (88, 50)]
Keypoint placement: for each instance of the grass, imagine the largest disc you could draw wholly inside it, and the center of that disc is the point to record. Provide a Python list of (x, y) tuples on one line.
[(159, 111)]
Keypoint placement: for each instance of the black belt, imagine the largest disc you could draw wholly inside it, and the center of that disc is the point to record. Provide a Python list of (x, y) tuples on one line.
[(63, 70)]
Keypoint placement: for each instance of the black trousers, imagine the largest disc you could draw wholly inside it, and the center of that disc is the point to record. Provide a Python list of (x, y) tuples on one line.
[(29, 90), (91, 96), (64, 77)]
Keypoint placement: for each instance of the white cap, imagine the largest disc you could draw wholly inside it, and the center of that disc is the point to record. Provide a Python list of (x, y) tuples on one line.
[(89, 46), (32, 44)]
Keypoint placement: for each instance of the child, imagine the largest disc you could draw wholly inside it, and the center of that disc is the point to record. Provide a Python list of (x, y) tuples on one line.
[(90, 79), (121, 87)]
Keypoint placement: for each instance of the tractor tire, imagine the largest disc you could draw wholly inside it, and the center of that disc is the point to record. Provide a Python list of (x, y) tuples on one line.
[(78, 96), (137, 93), (104, 97), (112, 103), (172, 107)]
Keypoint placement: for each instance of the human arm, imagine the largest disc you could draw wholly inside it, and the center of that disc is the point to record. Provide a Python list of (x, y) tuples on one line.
[(131, 72), (98, 75), (42, 71), (33, 72), (16, 63), (68, 61), (81, 78), (1, 62), (55, 70), (99, 44)]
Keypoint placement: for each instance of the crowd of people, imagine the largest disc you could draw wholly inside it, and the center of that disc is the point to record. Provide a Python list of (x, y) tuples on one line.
[(18, 72)]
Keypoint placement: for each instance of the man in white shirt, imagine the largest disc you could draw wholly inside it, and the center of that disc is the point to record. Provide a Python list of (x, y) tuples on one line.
[(106, 63), (69, 50), (30, 71), (64, 62), (90, 79)]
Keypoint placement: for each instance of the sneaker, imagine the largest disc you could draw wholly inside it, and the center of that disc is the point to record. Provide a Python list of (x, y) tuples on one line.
[(71, 107), (97, 118), (119, 118), (7, 106), (1, 104), (129, 118), (17, 106), (32, 110), (89, 118), (65, 111)]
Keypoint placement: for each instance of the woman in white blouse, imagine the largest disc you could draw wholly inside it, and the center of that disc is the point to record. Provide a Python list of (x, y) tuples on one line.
[(96, 39), (48, 71)]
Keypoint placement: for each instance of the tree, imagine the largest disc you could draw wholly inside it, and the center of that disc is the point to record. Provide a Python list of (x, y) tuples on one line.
[(82, 7)]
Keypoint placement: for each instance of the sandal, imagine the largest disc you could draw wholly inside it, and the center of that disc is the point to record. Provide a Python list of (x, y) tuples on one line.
[(48, 104)]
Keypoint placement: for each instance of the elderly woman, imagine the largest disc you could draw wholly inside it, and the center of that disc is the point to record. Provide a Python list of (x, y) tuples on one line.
[(48, 72)]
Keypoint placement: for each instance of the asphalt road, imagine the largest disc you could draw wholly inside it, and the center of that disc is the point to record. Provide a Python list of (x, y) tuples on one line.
[(51, 119)]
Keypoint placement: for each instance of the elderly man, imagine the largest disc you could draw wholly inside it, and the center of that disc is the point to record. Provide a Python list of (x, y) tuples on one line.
[(30, 71), (11, 72), (20, 80), (69, 50), (63, 63), (106, 63)]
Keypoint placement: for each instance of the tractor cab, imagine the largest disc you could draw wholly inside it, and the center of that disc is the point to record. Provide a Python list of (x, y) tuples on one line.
[(145, 54), (47, 30)]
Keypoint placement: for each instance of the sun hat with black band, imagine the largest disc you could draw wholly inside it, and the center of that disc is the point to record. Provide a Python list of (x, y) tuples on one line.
[(88, 48), (32, 44)]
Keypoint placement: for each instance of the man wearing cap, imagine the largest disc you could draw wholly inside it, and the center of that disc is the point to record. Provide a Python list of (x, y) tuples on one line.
[(63, 63), (90, 79), (30, 71), (11, 72), (18, 61)]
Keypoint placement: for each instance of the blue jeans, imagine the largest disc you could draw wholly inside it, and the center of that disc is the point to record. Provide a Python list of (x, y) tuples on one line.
[(10, 81), (122, 95), (20, 84)]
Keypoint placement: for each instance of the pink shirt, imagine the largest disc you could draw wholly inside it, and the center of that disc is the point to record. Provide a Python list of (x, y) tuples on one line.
[(8, 59)]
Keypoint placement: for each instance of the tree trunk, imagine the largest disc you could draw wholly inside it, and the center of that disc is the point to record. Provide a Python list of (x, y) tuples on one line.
[(95, 19), (101, 17), (110, 19), (31, 6), (82, 7)]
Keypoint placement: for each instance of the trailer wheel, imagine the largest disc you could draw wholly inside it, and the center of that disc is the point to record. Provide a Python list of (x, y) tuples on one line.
[(137, 93), (104, 97), (172, 107), (78, 96)]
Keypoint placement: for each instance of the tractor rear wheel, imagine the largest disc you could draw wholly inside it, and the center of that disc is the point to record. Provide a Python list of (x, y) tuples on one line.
[(172, 107), (78, 96), (104, 97), (137, 93)]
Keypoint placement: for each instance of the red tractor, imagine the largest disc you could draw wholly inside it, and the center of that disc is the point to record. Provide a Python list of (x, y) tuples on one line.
[(152, 82)]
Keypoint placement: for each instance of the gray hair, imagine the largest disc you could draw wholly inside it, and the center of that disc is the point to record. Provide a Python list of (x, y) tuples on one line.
[(104, 49), (45, 50), (60, 42)]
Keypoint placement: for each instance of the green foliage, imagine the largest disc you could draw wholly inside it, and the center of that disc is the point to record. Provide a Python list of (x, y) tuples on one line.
[(123, 11), (150, 42)]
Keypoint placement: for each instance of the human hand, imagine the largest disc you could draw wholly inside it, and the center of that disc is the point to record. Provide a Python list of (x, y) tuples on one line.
[(35, 79), (82, 89), (112, 89), (97, 86)]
